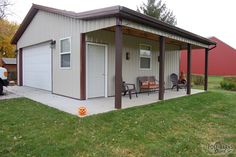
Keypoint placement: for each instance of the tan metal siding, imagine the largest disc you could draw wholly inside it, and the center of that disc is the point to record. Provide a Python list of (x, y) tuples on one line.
[(172, 62), (46, 26), (159, 32), (105, 37), (92, 25), (130, 68)]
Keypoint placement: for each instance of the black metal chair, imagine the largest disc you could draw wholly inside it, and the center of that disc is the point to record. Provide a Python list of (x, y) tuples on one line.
[(176, 82), (129, 88)]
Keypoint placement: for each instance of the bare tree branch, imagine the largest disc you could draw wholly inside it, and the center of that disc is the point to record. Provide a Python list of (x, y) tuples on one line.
[(4, 8)]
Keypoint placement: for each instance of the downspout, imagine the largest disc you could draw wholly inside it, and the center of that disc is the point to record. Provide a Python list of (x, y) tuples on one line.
[(206, 67)]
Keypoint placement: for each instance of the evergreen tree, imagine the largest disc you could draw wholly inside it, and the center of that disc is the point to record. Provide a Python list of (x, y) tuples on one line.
[(158, 10)]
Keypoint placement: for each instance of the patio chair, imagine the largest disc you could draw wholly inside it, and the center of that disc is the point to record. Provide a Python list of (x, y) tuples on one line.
[(129, 88), (176, 82)]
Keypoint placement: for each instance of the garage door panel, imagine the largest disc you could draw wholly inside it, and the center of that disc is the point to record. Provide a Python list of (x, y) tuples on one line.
[(37, 66)]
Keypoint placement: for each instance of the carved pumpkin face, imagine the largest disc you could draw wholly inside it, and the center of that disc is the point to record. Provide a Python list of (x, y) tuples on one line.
[(82, 111)]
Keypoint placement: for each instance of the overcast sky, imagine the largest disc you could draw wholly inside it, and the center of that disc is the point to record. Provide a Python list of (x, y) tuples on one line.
[(203, 17)]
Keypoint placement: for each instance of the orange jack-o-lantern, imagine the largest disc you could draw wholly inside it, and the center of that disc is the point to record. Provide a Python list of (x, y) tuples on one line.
[(82, 111)]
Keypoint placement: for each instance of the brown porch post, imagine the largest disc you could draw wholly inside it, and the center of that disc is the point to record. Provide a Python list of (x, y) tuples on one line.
[(206, 69), (189, 62), (118, 63), (20, 67), (161, 68), (82, 67)]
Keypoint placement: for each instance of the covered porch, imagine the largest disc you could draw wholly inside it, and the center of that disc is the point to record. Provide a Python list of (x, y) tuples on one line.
[(93, 106), (161, 39)]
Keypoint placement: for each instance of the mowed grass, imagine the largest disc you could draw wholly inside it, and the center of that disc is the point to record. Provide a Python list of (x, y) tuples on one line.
[(178, 127), (213, 83)]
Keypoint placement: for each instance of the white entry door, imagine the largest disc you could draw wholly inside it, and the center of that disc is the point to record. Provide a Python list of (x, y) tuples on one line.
[(37, 66), (96, 70)]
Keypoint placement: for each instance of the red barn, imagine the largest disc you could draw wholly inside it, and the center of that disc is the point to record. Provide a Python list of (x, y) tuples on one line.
[(222, 60)]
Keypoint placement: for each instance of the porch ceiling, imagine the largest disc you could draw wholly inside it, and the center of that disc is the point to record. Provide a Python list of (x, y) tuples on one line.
[(151, 36)]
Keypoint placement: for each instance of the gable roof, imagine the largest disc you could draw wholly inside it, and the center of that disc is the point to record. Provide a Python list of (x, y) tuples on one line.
[(9, 60), (217, 40), (120, 11)]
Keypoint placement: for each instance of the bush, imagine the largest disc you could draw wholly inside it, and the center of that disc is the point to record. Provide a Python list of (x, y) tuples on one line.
[(230, 78), (229, 83), (198, 79)]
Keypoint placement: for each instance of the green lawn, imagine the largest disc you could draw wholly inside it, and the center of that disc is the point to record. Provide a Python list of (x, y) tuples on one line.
[(178, 127), (213, 83)]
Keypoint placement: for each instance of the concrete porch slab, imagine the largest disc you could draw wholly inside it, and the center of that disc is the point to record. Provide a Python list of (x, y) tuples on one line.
[(8, 94), (95, 105)]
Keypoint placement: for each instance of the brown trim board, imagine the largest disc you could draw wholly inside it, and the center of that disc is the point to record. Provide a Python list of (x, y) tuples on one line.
[(82, 67), (118, 64), (20, 67), (161, 67), (189, 63), (206, 70)]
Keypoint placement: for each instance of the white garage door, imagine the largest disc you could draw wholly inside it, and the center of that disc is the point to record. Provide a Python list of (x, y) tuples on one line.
[(37, 67)]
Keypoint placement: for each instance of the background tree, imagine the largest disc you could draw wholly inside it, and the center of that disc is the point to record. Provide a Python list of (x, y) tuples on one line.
[(7, 30), (158, 10), (4, 8)]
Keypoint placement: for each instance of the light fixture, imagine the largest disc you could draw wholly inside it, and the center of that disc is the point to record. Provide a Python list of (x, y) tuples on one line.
[(127, 55), (53, 44)]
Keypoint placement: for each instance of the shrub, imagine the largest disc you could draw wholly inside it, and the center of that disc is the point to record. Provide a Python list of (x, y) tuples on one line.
[(228, 84), (230, 78), (198, 79)]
